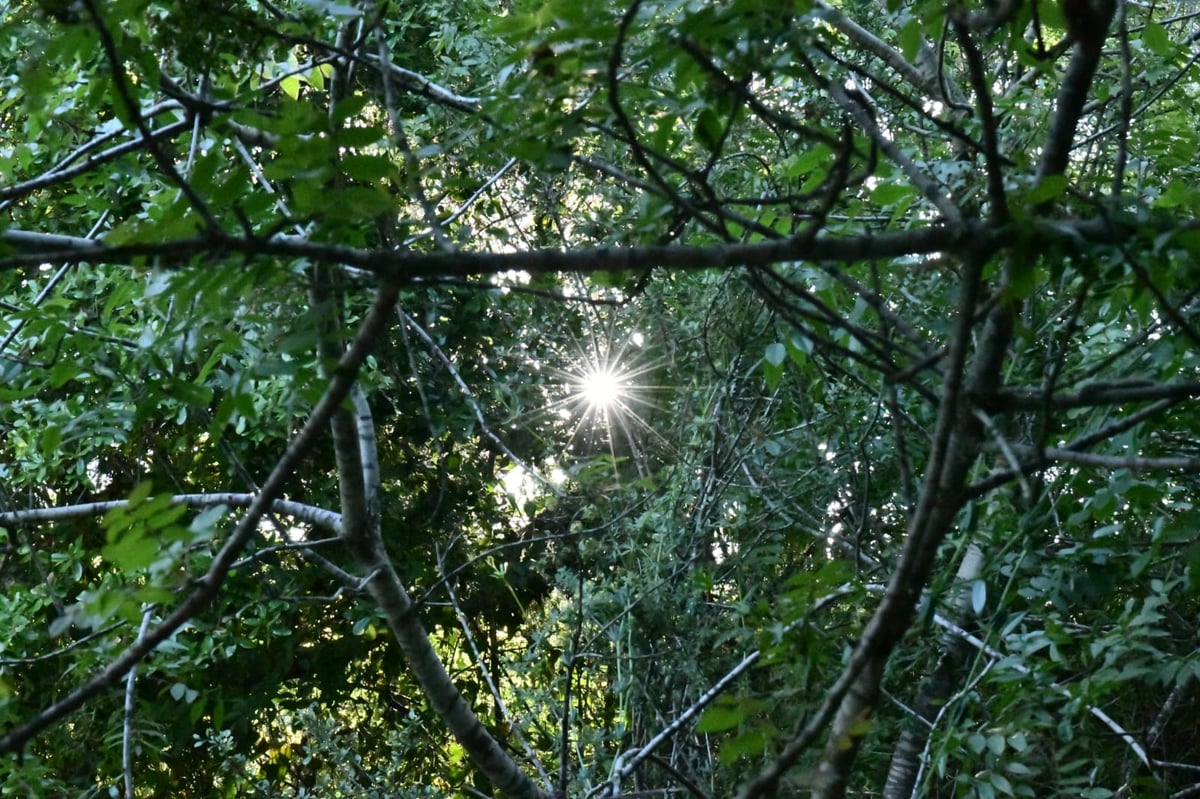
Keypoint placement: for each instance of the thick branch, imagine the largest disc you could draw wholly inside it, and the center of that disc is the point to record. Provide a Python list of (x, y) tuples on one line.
[(1089, 396), (1088, 22), (34, 249), (358, 483)]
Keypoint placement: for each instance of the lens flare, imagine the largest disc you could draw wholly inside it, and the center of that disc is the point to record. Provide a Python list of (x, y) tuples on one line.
[(603, 389)]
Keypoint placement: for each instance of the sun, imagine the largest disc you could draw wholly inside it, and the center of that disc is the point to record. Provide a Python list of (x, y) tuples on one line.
[(607, 394), (603, 388), (602, 396)]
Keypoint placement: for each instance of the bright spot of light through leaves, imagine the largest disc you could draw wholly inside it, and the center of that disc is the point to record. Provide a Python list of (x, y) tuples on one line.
[(603, 388)]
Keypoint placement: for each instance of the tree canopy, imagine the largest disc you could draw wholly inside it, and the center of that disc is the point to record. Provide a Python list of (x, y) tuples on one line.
[(577, 399)]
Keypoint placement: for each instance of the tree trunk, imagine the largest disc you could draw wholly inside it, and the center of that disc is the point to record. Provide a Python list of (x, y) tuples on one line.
[(934, 691)]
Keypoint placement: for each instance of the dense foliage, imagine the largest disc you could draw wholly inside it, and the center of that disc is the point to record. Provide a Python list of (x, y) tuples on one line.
[(740, 398)]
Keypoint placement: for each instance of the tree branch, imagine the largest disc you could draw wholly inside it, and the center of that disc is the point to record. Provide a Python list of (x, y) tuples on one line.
[(210, 584), (411, 267), (1087, 22), (310, 514)]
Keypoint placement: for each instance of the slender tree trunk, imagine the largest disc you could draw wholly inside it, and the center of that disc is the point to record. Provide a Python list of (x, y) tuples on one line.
[(934, 691)]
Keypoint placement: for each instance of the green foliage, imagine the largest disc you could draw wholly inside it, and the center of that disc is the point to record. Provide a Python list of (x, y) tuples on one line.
[(587, 572)]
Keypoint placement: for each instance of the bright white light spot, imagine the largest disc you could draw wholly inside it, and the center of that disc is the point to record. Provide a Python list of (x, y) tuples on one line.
[(519, 484), (292, 533), (99, 479), (602, 389), (604, 392)]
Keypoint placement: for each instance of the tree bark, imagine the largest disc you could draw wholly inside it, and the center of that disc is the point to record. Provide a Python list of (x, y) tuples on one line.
[(934, 691)]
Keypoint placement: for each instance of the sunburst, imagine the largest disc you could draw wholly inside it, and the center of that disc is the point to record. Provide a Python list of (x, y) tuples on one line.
[(608, 396), (598, 381), (603, 388)]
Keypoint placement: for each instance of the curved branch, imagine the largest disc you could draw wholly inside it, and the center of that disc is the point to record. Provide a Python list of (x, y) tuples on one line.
[(358, 480)]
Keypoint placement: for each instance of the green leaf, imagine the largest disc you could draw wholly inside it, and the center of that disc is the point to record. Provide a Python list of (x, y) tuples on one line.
[(799, 349), (721, 716), (813, 158), (772, 374), (752, 743), (1155, 37), (912, 35), (149, 507), (1096, 793), (51, 438), (367, 168), (132, 552), (181, 693), (166, 517), (1049, 188), (207, 521), (892, 192), (348, 108), (1023, 278), (357, 203), (1001, 782), (290, 85), (709, 129), (1177, 193)]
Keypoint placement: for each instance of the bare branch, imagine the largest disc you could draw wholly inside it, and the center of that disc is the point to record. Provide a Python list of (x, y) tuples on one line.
[(1135, 463), (414, 267), (925, 184), (1092, 395), (877, 47), (309, 514), (1088, 22)]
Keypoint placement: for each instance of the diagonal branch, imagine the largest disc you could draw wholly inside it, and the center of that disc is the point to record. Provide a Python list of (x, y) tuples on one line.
[(342, 379), (1087, 22), (125, 96), (915, 174), (357, 459)]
